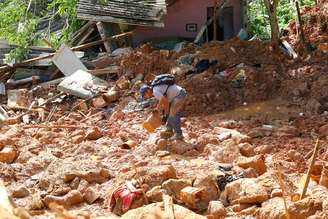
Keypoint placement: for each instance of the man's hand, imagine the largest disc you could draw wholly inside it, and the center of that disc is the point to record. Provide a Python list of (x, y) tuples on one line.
[(164, 105)]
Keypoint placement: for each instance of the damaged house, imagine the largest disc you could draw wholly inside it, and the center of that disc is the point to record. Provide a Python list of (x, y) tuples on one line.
[(160, 20)]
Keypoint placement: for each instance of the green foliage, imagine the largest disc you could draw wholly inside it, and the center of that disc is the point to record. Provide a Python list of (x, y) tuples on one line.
[(18, 22), (259, 24)]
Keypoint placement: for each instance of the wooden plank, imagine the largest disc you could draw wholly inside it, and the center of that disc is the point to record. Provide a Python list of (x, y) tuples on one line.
[(101, 30)]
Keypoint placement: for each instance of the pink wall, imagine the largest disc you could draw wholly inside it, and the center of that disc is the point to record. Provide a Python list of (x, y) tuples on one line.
[(181, 13)]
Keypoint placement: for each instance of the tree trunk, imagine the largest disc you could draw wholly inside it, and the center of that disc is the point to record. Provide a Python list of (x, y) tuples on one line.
[(271, 7)]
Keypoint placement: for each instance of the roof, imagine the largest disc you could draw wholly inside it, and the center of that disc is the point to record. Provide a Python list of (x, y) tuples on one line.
[(134, 12)]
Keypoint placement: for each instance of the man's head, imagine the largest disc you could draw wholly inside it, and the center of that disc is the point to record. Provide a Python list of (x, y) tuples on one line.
[(146, 92)]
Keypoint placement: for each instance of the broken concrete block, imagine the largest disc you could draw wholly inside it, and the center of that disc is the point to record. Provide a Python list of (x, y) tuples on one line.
[(155, 194), (82, 84), (191, 196), (246, 191), (74, 197), (19, 98), (211, 191), (256, 162), (246, 149), (90, 195), (158, 174), (67, 62), (20, 192), (98, 102), (216, 209), (173, 187), (8, 154), (94, 134)]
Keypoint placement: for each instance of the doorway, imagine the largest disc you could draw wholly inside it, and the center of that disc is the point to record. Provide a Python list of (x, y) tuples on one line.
[(225, 24)]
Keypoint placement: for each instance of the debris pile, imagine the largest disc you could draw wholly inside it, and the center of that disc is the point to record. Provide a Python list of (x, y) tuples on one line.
[(75, 147)]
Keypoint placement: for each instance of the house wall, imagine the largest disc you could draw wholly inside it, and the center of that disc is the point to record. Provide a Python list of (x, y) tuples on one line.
[(181, 13)]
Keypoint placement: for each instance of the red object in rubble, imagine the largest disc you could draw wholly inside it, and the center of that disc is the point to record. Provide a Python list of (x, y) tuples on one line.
[(125, 195)]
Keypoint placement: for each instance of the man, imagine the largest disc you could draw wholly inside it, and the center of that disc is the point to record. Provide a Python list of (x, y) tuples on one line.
[(170, 101)]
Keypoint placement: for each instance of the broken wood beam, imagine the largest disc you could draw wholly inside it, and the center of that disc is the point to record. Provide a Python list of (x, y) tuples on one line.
[(168, 206), (84, 46), (316, 149)]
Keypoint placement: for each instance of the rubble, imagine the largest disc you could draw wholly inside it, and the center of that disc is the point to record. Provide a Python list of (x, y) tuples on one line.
[(245, 114)]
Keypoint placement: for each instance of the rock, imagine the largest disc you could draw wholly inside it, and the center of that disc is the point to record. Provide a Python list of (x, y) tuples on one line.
[(162, 144), (276, 193), (180, 147), (256, 162), (264, 149), (123, 83), (226, 152), (295, 155), (216, 209), (251, 211), (8, 154), (323, 47), (20, 192), (156, 175), (117, 115), (323, 130), (74, 197), (94, 134), (313, 106), (36, 203), (246, 149), (274, 208), (90, 195), (155, 194), (192, 196), (250, 173), (78, 139), (98, 102), (111, 96), (95, 176), (75, 183), (173, 187), (235, 135), (246, 191), (83, 185), (162, 153), (156, 210), (287, 131), (240, 207), (224, 136), (211, 191), (186, 59), (6, 141), (191, 153)]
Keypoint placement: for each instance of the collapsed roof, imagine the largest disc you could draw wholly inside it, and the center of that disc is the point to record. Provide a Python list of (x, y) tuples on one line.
[(133, 12)]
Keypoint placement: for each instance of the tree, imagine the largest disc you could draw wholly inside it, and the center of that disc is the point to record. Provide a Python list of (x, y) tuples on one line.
[(271, 6)]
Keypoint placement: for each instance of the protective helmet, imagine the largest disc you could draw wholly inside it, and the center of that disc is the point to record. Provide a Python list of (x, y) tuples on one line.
[(143, 90)]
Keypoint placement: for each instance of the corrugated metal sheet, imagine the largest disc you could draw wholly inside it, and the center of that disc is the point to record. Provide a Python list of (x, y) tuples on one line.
[(135, 12)]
